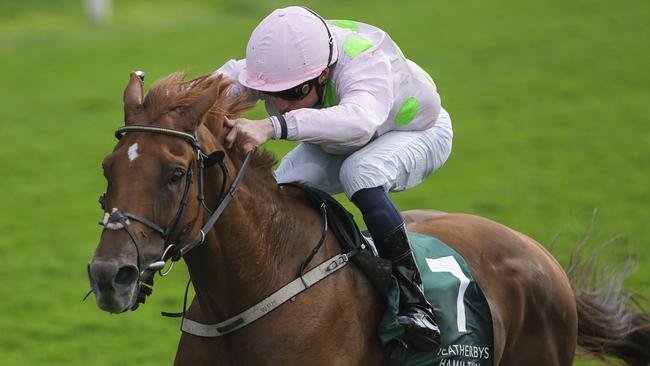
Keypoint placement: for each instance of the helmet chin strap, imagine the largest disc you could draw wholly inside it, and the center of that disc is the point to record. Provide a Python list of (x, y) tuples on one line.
[(320, 91)]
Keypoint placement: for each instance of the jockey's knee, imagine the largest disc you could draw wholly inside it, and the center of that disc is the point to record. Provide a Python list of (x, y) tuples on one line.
[(359, 172)]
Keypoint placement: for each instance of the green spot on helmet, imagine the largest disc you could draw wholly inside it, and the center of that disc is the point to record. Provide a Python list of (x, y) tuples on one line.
[(408, 111), (354, 46), (347, 24)]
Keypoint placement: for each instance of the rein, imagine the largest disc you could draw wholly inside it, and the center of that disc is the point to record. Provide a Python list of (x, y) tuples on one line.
[(119, 220)]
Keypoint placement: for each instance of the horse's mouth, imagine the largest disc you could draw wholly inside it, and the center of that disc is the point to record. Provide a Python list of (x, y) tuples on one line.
[(112, 305), (115, 303)]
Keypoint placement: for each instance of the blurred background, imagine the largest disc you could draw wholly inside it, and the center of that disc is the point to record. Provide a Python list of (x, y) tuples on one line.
[(549, 101)]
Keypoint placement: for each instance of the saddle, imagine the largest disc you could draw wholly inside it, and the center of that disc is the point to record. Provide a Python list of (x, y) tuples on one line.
[(459, 304)]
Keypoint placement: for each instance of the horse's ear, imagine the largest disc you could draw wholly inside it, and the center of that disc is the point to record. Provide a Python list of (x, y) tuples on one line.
[(133, 95), (194, 113)]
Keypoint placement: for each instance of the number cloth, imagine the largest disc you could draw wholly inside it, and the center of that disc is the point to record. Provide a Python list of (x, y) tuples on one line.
[(461, 311)]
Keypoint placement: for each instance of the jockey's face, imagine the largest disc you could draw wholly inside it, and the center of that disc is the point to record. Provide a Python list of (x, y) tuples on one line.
[(308, 101)]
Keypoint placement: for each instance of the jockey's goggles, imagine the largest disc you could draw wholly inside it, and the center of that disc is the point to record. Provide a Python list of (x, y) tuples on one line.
[(298, 92)]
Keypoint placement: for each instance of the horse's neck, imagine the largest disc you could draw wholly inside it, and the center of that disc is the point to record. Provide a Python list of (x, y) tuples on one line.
[(256, 247)]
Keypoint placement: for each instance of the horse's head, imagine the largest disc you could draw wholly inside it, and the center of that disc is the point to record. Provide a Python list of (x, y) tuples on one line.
[(153, 198)]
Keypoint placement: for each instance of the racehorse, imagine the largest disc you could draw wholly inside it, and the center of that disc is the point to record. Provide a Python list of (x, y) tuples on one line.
[(170, 178)]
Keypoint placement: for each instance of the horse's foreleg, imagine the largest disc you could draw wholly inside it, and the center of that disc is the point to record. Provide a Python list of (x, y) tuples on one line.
[(199, 351)]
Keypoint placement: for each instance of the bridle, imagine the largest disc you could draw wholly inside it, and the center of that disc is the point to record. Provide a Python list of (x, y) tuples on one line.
[(118, 219)]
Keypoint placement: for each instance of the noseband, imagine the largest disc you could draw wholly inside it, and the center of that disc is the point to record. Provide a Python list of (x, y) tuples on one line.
[(121, 220)]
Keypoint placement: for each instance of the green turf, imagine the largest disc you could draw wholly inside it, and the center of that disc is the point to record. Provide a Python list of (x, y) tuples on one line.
[(549, 102)]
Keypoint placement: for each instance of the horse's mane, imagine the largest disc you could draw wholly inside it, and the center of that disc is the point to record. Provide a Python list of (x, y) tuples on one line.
[(174, 92)]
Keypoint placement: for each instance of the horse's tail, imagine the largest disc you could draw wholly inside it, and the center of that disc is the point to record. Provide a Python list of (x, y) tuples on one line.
[(611, 320)]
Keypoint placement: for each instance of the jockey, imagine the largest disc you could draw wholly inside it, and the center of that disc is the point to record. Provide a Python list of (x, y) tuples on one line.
[(370, 121)]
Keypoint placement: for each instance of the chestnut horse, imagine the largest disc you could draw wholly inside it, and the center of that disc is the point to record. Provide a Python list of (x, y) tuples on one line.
[(156, 177)]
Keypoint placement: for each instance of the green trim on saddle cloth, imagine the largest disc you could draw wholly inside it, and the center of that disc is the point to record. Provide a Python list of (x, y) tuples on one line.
[(466, 340)]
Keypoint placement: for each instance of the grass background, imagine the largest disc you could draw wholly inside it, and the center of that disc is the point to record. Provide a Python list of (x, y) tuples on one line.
[(549, 102)]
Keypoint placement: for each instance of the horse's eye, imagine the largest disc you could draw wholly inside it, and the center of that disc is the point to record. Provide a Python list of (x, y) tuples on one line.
[(177, 175)]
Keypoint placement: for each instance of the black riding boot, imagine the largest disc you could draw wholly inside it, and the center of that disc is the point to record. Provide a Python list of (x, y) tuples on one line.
[(415, 312)]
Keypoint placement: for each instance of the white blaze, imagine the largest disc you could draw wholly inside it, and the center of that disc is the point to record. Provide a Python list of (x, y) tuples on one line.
[(133, 152)]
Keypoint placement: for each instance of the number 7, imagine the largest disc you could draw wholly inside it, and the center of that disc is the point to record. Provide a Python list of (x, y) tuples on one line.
[(450, 265)]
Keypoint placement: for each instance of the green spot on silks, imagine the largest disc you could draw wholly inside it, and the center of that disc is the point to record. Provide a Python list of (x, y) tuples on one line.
[(347, 24), (353, 46), (408, 111), (330, 94)]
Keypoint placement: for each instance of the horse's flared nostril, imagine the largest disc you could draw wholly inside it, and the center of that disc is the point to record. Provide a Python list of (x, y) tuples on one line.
[(126, 275), (114, 284), (101, 274)]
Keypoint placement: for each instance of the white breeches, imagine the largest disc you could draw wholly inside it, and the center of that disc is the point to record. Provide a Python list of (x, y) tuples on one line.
[(396, 160)]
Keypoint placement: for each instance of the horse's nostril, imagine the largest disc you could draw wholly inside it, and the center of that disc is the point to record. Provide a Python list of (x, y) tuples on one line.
[(127, 275)]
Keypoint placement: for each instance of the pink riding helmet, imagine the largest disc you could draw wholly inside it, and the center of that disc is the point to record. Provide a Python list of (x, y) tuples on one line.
[(290, 46)]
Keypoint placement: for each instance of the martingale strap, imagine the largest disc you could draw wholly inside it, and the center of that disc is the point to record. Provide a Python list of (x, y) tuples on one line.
[(269, 304)]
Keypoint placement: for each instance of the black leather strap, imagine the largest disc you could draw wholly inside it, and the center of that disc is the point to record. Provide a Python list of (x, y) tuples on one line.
[(146, 223)]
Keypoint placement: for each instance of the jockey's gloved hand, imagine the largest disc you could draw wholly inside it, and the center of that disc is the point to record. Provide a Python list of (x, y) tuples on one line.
[(247, 134)]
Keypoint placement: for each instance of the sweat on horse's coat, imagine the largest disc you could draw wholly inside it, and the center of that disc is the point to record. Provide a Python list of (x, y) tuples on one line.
[(538, 317)]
